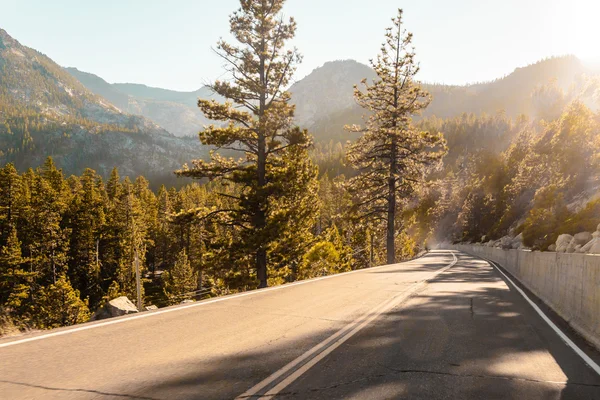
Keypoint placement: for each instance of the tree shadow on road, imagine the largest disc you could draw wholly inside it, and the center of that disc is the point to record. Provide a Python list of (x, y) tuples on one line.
[(467, 336)]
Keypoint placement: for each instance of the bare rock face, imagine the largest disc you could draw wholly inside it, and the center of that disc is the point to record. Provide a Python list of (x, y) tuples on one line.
[(562, 243), (115, 308)]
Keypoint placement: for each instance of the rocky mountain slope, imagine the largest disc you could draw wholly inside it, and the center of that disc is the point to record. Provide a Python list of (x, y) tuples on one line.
[(176, 112), (46, 111), (324, 99)]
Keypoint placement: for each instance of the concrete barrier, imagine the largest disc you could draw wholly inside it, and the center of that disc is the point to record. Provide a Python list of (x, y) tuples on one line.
[(568, 283)]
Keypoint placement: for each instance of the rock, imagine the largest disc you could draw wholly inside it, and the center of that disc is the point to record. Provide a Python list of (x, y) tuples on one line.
[(593, 244), (598, 228), (483, 239), (151, 308), (115, 308), (490, 243), (578, 248), (187, 301), (579, 239), (505, 242), (596, 235), (563, 242), (593, 247), (582, 238), (552, 247), (517, 242)]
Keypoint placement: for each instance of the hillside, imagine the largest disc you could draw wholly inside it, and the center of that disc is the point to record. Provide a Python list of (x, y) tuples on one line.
[(325, 103), (324, 98), (44, 111), (176, 112)]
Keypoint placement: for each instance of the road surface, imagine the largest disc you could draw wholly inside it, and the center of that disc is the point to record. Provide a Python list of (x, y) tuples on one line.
[(445, 326)]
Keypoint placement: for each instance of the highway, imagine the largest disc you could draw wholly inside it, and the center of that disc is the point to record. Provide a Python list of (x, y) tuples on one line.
[(444, 326)]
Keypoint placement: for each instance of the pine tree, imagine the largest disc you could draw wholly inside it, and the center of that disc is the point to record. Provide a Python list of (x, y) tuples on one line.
[(259, 125), (10, 200), (180, 280), (48, 239), (86, 219), (60, 305), (391, 156), (10, 264)]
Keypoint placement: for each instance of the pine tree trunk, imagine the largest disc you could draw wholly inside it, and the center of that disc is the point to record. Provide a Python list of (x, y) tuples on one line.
[(391, 212), (391, 217), (261, 220)]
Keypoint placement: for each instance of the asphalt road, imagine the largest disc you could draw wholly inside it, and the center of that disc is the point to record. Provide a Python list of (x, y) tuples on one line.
[(446, 326)]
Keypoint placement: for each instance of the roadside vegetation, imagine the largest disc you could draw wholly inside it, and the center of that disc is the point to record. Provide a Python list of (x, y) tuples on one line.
[(270, 207)]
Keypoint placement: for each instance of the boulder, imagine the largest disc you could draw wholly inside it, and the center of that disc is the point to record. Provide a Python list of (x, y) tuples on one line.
[(505, 242), (582, 238), (151, 308), (115, 308), (552, 247), (592, 245), (517, 242), (563, 242), (187, 301), (596, 235)]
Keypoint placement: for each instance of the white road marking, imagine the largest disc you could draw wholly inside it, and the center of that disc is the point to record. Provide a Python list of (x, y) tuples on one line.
[(556, 329), (331, 343), (179, 308)]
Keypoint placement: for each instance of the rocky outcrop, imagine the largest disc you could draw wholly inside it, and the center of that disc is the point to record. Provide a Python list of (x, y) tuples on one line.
[(115, 308)]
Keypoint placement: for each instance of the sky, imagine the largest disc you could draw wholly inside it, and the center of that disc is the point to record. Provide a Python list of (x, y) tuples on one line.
[(167, 43)]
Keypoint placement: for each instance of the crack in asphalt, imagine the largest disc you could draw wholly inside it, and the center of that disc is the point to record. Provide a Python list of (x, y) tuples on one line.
[(98, 392)]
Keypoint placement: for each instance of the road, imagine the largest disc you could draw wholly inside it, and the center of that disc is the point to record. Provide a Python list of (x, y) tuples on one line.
[(445, 326)]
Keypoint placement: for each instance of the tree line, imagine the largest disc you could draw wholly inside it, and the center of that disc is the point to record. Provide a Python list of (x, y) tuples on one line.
[(264, 218)]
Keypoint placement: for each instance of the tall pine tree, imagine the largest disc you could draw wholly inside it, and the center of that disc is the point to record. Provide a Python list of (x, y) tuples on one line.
[(391, 156), (258, 124)]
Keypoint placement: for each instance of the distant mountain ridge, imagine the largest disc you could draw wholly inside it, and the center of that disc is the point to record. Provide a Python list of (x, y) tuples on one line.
[(46, 111), (324, 99), (177, 112)]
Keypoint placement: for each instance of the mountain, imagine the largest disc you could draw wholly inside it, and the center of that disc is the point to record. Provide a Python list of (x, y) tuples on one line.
[(45, 111), (176, 112), (324, 99)]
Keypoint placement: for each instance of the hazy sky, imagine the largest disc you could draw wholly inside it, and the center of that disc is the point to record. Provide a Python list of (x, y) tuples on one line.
[(167, 43)]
